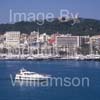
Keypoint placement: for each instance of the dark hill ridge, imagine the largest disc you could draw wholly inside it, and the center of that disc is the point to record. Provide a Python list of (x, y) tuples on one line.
[(83, 27)]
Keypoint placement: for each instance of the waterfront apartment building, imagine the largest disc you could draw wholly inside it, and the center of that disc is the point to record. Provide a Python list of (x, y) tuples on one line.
[(33, 40), (12, 39), (44, 37), (67, 44), (67, 41), (34, 36), (2, 38), (23, 37), (84, 40), (95, 43)]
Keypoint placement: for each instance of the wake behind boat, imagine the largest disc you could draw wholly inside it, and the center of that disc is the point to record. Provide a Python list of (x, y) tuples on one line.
[(25, 75)]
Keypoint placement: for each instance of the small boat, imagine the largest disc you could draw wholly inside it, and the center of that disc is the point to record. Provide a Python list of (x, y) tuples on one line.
[(25, 75), (30, 58)]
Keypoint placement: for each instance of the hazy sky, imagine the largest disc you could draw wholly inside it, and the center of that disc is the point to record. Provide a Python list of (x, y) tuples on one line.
[(85, 8)]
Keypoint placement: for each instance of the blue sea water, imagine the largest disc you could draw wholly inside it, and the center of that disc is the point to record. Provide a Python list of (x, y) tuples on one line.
[(90, 69)]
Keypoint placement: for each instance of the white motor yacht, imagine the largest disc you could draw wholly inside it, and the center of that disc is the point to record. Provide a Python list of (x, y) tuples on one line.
[(30, 76)]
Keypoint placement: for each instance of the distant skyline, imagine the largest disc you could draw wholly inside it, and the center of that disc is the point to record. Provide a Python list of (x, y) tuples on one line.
[(85, 8)]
